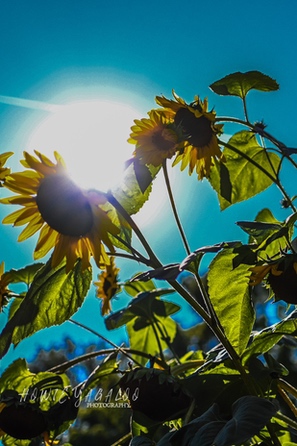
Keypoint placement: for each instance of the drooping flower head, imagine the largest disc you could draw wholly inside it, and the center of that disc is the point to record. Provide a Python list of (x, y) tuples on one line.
[(69, 219), (4, 171), (155, 137), (199, 132), (107, 286), (280, 276)]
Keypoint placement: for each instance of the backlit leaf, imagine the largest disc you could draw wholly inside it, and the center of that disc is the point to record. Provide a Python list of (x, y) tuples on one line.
[(230, 296), (264, 340), (250, 415), (145, 339), (53, 298), (239, 84), (25, 275), (134, 190), (246, 177)]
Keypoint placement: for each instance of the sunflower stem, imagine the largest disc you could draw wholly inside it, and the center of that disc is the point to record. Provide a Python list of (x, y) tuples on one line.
[(105, 340), (245, 109), (112, 200), (61, 368), (174, 210)]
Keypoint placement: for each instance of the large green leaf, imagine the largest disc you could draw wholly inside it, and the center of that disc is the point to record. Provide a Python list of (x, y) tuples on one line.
[(239, 84), (145, 340), (46, 391), (250, 415), (264, 340), (19, 378), (135, 187), (141, 440), (230, 296), (244, 165), (54, 296)]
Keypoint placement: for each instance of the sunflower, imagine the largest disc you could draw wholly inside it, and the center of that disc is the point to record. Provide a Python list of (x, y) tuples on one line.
[(4, 171), (155, 137), (281, 277), (107, 286), (21, 420), (199, 132), (259, 272), (4, 291), (69, 219)]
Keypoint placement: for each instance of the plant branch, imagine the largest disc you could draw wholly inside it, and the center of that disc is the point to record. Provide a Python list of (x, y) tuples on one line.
[(112, 200), (108, 341)]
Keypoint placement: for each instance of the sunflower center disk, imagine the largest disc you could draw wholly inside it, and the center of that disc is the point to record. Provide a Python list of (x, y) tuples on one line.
[(198, 130), (163, 140), (64, 207)]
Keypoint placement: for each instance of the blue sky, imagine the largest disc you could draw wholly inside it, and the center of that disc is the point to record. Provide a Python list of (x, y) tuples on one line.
[(60, 51)]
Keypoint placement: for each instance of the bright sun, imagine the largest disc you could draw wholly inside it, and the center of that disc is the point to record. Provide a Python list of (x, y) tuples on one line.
[(92, 138)]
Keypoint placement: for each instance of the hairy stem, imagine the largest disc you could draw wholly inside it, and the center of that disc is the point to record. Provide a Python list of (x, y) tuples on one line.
[(174, 210)]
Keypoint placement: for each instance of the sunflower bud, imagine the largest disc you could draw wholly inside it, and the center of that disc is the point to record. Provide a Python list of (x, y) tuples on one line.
[(283, 279), (156, 394), (22, 421)]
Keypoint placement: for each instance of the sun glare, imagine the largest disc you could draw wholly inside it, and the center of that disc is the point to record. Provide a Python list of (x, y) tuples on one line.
[(92, 138)]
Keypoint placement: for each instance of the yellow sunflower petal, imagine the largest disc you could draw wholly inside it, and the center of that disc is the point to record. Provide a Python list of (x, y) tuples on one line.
[(28, 214), (10, 219), (4, 157), (46, 241), (31, 228)]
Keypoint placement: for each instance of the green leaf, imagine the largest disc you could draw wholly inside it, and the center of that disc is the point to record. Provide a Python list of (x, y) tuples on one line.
[(239, 84), (244, 254), (225, 182), (273, 238), (19, 378), (134, 190), (141, 440), (134, 288), (16, 377), (53, 298), (145, 340), (47, 391), (258, 229), (25, 275), (230, 296), (185, 436), (6, 440), (146, 305), (250, 415), (118, 220), (246, 178), (264, 340)]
